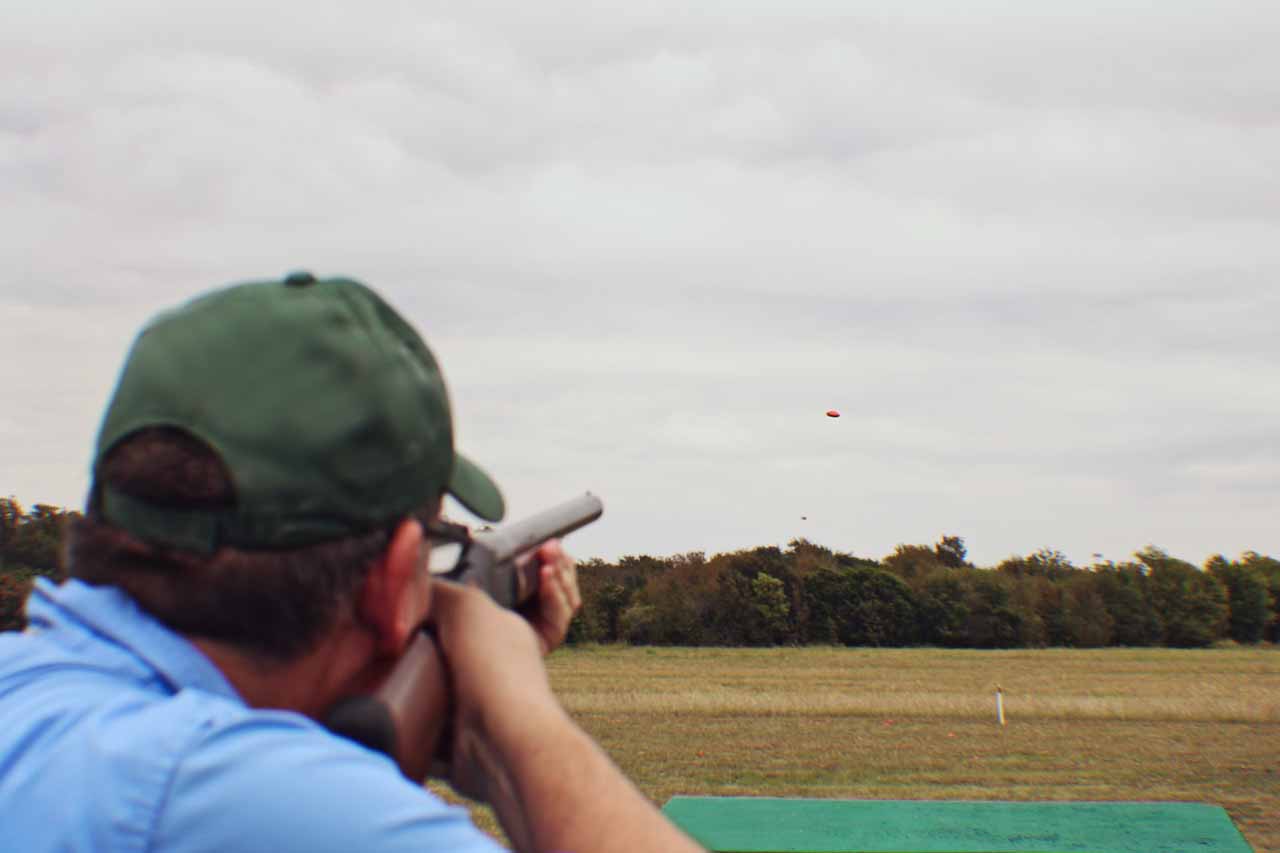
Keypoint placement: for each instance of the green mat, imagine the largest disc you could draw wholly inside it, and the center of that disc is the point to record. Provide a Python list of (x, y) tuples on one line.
[(769, 825)]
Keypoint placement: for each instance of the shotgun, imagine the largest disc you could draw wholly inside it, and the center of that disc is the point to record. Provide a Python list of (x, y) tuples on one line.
[(406, 716)]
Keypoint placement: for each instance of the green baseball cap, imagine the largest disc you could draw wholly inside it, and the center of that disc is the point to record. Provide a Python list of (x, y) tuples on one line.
[(324, 404)]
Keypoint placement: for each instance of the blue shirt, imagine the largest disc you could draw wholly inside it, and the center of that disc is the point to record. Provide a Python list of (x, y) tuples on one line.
[(118, 735)]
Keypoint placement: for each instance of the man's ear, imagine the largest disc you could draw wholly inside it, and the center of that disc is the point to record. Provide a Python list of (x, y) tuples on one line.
[(396, 595)]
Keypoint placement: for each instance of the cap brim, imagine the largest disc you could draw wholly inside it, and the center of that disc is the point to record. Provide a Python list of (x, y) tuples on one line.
[(476, 490)]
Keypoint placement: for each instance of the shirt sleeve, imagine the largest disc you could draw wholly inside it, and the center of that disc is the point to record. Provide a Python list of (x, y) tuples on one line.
[(276, 783)]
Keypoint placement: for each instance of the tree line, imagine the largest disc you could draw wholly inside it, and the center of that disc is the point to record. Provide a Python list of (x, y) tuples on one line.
[(926, 595), (808, 594), (30, 546)]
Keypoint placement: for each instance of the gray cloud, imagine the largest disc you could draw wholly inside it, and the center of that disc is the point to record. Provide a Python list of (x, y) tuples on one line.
[(1028, 251)]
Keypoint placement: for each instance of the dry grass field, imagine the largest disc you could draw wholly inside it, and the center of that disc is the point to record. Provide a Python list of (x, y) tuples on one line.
[(1113, 724)]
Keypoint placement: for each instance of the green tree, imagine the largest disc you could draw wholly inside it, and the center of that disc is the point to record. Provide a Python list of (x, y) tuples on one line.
[(770, 608), (1038, 603), (1086, 621), (805, 559), (1045, 563), (914, 563), (607, 590), (732, 614), (11, 515), (993, 622), (944, 609), (1123, 590), (588, 625), (860, 606), (613, 600), (13, 597), (951, 552), (31, 541), (1248, 598), (886, 609), (1192, 603), (636, 624), (1269, 568), (822, 592), (679, 602)]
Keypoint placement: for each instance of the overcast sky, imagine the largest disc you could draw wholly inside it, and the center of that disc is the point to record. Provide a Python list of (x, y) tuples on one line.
[(1029, 250)]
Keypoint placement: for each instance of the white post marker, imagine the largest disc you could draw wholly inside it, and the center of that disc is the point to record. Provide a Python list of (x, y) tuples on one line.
[(999, 704)]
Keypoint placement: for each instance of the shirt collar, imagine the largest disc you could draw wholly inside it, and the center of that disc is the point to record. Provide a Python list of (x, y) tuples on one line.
[(108, 612)]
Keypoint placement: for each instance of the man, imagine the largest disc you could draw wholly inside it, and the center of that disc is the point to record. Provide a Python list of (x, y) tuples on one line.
[(254, 550)]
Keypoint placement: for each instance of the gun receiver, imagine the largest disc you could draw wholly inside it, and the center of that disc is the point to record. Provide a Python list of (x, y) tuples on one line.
[(489, 560), (406, 717)]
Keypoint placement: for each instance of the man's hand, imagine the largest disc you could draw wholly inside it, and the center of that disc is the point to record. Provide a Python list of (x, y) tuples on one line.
[(481, 656), (513, 746), (558, 596), (497, 676)]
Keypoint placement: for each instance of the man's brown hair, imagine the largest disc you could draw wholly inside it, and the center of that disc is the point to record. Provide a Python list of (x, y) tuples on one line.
[(273, 604)]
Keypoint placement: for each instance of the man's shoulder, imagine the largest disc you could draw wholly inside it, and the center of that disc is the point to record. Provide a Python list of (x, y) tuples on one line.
[(71, 711), (95, 755), (89, 740), (105, 709)]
